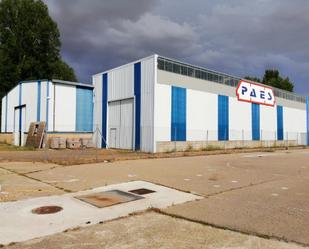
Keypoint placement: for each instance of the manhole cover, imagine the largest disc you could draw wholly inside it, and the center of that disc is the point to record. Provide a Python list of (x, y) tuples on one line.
[(142, 191), (108, 198), (47, 210)]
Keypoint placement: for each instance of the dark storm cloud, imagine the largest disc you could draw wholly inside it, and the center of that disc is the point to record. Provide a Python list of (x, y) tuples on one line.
[(238, 37)]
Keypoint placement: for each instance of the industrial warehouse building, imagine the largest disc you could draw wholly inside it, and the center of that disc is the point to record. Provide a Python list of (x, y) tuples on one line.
[(158, 104), (66, 107)]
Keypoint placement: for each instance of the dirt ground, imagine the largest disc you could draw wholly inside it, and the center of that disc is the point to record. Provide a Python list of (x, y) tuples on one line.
[(82, 156), (263, 194)]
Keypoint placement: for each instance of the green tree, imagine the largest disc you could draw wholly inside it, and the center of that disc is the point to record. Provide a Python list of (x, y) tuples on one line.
[(255, 79), (63, 71), (29, 44), (272, 78)]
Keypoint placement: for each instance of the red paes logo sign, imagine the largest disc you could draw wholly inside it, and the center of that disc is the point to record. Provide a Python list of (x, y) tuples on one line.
[(255, 93)]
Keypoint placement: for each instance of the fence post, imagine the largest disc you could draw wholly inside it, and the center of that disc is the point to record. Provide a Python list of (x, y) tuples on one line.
[(225, 137), (96, 144), (243, 137), (45, 141), (207, 138), (175, 138)]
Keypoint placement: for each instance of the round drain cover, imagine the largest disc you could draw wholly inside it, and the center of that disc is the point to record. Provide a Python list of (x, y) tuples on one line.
[(47, 210)]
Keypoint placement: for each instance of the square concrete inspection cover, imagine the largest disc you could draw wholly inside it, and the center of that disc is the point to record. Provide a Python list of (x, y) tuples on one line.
[(142, 191), (108, 198), (19, 223)]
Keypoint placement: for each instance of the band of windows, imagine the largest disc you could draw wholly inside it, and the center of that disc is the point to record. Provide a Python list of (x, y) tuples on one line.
[(200, 73)]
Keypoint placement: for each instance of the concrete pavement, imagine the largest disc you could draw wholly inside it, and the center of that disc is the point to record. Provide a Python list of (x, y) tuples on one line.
[(263, 194)]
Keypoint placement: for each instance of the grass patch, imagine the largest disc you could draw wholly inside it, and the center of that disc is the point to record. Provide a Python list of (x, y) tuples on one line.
[(211, 148), (8, 147), (170, 150), (189, 148)]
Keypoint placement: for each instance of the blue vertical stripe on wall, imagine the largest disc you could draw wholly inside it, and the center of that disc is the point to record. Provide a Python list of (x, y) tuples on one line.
[(6, 113), (104, 109), (179, 114), (137, 93), (223, 117), (38, 111), (307, 112), (255, 110), (47, 104), (279, 122), (84, 109)]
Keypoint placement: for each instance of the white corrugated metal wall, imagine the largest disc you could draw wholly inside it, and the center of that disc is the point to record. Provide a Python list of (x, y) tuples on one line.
[(202, 112), (120, 106), (126, 124), (202, 117), (120, 124), (38, 98), (148, 71), (65, 108), (201, 106), (3, 114), (240, 123), (120, 85), (162, 115), (13, 100), (97, 109)]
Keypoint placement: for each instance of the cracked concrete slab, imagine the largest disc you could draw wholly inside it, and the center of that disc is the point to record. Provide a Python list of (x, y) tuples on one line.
[(152, 230), (19, 223), (169, 172), (277, 209), (26, 167), (15, 187)]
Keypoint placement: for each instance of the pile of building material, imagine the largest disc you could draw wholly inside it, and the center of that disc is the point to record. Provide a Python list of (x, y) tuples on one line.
[(73, 143), (57, 143), (70, 143), (36, 135), (87, 143)]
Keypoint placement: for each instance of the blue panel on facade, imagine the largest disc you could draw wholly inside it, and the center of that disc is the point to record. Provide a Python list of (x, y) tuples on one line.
[(307, 116), (255, 110), (84, 109), (38, 111), (104, 109), (137, 93), (223, 118), (179, 114), (279, 122)]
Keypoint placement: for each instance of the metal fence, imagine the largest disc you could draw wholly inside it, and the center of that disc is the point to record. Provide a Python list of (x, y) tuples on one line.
[(195, 139)]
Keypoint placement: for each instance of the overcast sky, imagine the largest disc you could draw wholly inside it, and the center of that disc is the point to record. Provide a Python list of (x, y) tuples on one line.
[(239, 37)]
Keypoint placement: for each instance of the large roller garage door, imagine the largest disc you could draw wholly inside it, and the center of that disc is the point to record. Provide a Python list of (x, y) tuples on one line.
[(120, 124)]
